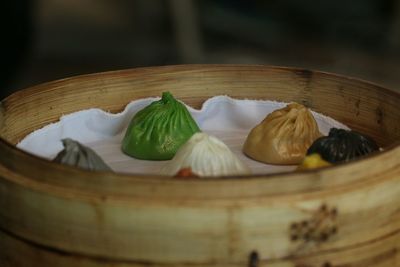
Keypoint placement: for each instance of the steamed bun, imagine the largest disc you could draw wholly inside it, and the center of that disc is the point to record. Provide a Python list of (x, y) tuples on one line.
[(158, 130), (283, 137), (206, 156)]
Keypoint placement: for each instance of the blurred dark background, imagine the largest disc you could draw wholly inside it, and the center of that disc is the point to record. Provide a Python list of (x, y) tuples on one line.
[(45, 40)]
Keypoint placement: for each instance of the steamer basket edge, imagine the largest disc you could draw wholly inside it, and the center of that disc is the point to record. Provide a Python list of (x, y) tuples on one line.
[(312, 190)]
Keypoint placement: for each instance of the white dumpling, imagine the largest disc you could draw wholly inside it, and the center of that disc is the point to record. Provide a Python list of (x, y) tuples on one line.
[(206, 156)]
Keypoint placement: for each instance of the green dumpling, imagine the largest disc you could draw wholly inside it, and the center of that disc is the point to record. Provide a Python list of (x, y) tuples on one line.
[(157, 131)]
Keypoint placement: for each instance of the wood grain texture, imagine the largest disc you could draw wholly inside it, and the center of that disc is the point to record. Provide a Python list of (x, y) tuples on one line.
[(346, 215), (377, 253)]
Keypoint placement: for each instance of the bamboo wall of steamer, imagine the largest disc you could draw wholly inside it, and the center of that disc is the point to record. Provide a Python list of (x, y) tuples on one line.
[(347, 215)]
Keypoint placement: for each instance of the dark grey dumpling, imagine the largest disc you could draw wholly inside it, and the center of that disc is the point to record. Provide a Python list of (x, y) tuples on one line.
[(342, 145), (78, 155)]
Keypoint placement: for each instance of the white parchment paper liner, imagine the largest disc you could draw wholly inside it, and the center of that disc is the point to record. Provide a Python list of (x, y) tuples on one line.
[(224, 117)]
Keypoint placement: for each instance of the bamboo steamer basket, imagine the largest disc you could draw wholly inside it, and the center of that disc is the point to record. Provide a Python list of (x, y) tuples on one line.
[(346, 215)]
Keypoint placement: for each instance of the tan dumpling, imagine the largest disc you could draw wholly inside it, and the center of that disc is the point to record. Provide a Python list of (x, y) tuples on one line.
[(283, 137)]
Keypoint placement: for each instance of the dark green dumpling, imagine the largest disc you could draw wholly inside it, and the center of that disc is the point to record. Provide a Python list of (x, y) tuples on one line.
[(342, 145), (78, 155), (157, 131)]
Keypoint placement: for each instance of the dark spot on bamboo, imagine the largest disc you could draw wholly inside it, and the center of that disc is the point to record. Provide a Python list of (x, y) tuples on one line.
[(319, 228), (323, 207), (357, 105), (327, 264), (334, 212), (379, 115), (323, 237), (254, 259), (304, 73)]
